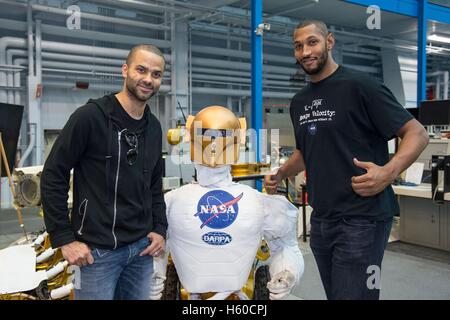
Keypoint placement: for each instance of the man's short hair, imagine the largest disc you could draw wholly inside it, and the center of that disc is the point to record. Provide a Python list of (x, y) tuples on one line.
[(146, 47), (319, 25)]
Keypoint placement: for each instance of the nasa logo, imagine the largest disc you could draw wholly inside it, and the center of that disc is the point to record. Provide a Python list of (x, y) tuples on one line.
[(312, 129), (216, 238), (217, 209)]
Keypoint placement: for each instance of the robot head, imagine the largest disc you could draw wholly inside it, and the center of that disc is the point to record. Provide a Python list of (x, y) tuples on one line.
[(215, 134)]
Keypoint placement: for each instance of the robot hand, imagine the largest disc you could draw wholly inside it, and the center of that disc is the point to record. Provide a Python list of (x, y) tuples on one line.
[(157, 286), (281, 285)]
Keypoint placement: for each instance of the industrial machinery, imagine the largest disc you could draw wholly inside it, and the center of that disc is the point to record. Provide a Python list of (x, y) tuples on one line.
[(27, 186), (255, 287), (30, 268), (440, 176), (244, 169), (34, 271)]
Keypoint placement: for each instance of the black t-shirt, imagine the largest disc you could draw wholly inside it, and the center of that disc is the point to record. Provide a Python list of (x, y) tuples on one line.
[(344, 116), (124, 120)]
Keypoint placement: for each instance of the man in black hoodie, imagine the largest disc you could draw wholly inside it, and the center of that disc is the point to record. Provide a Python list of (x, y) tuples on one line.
[(118, 221)]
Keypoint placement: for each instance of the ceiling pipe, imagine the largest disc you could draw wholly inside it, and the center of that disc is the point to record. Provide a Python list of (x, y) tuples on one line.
[(95, 86), (30, 41), (266, 75), (66, 57), (241, 65), (11, 74), (240, 93), (89, 50), (16, 80), (96, 17), (77, 66), (244, 81), (91, 16), (75, 58), (164, 89), (84, 34), (151, 7), (32, 132), (88, 59), (38, 51), (102, 36), (368, 53), (243, 38), (4, 43), (240, 54)]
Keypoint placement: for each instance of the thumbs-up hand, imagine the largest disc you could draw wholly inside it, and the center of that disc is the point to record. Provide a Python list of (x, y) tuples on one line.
[(375, 180)]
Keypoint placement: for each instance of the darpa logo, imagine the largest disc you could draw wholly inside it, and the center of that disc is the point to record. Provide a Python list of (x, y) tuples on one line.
[(216, 238)]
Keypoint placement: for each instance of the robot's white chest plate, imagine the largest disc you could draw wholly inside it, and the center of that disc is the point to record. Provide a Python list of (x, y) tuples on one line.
[(214, 235)]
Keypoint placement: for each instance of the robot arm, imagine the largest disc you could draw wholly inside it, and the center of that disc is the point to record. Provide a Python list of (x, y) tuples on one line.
[(286, 269), (159, 276), (160, 262), (286, 264)]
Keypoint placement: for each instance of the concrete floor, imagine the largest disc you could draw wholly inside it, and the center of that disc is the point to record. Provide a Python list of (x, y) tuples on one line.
[(408, 271), (10, 229)]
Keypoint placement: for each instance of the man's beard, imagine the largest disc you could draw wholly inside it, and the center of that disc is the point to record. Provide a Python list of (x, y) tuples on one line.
[(321, 61), (132, 88)]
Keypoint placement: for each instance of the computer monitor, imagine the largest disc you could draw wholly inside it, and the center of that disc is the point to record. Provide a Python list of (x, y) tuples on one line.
[(434, 112), (414, 112)]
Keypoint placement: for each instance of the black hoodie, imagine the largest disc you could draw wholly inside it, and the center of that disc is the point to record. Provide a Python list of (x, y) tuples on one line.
[(114, 203)]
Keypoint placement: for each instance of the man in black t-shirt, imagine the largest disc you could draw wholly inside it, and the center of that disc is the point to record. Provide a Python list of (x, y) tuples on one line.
[(342, 122), (118, 221)]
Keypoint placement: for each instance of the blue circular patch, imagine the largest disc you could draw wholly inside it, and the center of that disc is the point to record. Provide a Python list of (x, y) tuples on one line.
[(312, 129), (217, 209), (217, 238)]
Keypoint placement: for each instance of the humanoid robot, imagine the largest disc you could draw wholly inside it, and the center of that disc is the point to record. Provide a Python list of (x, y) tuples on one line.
[(216, 227)]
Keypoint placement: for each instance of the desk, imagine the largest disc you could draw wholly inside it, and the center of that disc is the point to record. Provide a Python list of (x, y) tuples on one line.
[(422, 221), (421, 191)]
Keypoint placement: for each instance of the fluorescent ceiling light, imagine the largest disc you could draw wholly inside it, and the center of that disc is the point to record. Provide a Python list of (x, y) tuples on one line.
[(439, 38), (434, 50)]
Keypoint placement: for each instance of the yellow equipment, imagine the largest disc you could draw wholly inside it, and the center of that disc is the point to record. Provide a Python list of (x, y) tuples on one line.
[(254, 289)]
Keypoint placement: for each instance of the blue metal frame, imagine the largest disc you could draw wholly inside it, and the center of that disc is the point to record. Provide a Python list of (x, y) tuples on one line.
[(422, 51), (424, 11), (256, 72), (408, 8), (404, 7), (438, 13), (257, 64)]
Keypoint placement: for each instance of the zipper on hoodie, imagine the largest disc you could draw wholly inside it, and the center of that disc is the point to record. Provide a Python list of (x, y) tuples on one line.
[(85, 202), (119, 135)]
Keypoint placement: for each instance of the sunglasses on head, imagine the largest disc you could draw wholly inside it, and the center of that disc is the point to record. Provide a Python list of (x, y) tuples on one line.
[(132, 141)]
